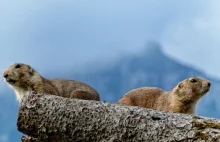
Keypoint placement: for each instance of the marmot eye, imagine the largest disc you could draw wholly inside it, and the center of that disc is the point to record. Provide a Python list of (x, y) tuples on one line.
[(17, 66), (193, 80)]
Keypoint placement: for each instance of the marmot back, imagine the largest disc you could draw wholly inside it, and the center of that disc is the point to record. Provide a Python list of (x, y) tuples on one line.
[(23, 78), (145, 96), (81, 89)]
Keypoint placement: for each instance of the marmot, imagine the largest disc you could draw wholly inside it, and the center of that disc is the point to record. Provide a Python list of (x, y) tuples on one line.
[(182, 99), (23, 79)]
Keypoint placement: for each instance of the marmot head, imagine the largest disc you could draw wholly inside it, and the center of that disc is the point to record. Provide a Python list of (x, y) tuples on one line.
[(18, 75), (192, 89)]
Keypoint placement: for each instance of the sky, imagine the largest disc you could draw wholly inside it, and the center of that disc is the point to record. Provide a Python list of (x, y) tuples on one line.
[(58, 35), (61, 35)]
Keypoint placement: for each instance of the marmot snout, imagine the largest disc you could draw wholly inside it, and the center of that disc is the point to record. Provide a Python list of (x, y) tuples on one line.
[(18, 75), (182, 99)]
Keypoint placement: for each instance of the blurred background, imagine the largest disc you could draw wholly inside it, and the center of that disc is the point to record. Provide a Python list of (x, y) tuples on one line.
[(113, 45)]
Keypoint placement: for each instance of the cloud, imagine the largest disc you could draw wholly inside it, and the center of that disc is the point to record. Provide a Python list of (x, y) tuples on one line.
[(4, 138), (65, 34), (195, 39)]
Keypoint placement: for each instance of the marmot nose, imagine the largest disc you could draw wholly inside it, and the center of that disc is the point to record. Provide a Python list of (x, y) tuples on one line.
[(209, 84), (5, 75)]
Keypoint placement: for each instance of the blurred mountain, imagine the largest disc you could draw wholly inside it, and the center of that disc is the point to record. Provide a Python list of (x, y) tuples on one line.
[(151, 67)]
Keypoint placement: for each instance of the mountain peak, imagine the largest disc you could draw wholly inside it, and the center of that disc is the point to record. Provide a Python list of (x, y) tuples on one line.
[(153, 48)]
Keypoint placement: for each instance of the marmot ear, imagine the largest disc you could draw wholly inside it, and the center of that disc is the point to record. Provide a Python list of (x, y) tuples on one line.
[(180, 85), (31, 71)]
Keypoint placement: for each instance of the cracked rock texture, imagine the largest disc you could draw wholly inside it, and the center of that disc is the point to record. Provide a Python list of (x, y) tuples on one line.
[(55, 119)]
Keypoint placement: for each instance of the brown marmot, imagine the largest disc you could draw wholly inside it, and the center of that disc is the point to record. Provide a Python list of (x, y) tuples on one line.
[(182, 99), (23, 79)]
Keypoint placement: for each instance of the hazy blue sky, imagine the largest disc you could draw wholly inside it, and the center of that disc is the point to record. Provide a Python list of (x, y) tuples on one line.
[(59, 35), (55, 34)]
